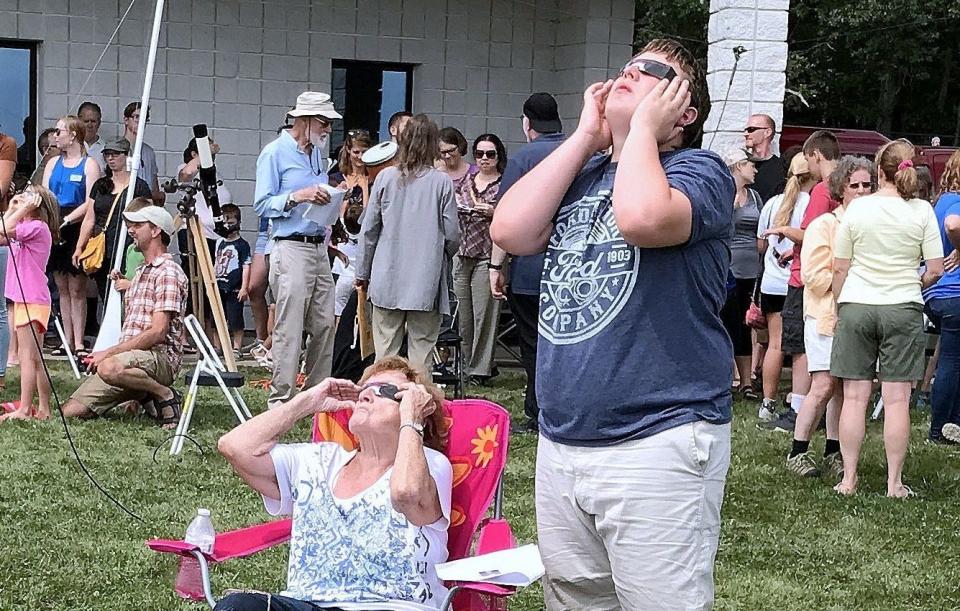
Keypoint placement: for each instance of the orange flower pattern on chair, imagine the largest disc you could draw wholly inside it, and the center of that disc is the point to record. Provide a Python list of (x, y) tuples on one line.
[(484, 445)]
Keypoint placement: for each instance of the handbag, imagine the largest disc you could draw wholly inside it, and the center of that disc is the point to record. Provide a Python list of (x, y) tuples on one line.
[(93, 253), (755, 318)]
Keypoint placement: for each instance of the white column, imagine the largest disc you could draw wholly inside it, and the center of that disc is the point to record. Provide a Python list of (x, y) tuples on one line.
[(759, 27)]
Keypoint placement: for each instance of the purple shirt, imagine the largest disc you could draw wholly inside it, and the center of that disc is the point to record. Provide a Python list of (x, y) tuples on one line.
[(29, 252)]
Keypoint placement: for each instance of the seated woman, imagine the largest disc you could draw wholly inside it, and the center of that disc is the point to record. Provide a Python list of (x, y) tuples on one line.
[(368, 525)]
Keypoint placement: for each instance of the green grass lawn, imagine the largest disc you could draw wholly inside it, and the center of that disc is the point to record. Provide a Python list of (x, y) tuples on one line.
[(786, 544)]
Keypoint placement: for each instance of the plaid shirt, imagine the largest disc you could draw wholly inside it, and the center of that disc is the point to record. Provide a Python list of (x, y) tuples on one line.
[(474, 225), (160, 285)]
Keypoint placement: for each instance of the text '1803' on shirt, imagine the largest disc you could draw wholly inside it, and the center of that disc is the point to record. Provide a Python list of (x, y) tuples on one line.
[(631, 341)]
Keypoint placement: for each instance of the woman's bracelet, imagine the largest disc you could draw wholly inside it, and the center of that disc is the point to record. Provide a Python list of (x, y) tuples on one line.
[(417, 428)]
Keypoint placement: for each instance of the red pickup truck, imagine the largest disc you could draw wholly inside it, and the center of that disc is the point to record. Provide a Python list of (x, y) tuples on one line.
[(866, 143)]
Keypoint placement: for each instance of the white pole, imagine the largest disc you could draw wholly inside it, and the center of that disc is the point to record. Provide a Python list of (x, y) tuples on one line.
[(110, 329)]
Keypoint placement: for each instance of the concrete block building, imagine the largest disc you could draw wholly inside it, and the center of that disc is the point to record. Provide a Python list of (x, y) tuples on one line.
[(238, 65)]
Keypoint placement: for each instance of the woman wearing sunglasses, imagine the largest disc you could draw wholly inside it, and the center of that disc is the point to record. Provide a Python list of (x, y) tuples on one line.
[(477, 310), (369, 525)]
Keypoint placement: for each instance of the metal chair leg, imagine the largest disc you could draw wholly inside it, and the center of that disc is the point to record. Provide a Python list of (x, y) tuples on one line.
[(448, 601), (205, 578)]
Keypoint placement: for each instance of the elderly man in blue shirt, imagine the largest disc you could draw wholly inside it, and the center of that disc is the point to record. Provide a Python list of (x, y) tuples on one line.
[(291, 172)]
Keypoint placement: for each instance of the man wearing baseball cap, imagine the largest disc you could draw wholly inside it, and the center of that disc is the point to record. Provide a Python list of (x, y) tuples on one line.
[(144, 363), (543, 131), (291, 177)]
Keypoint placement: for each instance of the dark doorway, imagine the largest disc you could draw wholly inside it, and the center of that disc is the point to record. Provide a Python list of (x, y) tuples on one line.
[(18, 100), (367, 93)]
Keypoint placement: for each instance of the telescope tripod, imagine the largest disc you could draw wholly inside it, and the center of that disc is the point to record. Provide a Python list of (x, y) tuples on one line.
[(203, 281)]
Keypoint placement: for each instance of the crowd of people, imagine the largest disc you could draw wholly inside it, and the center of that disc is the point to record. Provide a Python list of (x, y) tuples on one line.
[(836, 271), (652, 283)]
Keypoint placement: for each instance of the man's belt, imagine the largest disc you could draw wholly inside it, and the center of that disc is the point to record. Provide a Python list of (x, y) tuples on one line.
[(306, 239)]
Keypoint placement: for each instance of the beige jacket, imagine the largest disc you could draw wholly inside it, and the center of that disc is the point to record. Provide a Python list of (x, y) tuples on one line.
[(816, 268)]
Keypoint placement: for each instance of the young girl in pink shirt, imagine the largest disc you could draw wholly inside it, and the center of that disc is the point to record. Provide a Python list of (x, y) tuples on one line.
[(30, 226)]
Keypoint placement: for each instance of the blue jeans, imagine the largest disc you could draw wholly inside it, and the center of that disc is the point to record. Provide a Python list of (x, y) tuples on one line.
[(4, 324), (945, 399)]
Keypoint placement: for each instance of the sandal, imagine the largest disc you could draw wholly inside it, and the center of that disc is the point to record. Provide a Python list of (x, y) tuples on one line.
[(58, 351), (168, 410), (907, 493)]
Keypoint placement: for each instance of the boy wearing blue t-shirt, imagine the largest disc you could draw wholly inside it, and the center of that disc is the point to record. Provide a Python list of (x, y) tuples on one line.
[(633, 362)]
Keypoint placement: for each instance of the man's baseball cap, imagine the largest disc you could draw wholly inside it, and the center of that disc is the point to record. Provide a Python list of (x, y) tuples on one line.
[(314, 104), (153, 214), (120, 145), (541, 110)]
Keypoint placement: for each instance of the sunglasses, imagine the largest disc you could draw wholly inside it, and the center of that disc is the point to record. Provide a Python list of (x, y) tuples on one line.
[(650, 67), (750, 129), (860, 185), (482, 154), (387, 391), (357, 132)]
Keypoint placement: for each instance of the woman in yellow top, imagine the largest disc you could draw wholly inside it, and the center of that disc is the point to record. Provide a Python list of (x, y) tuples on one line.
[(879, 245), (853, 177)]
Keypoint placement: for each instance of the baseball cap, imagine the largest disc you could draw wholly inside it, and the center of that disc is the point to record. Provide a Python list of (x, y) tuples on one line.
[(314, 104), (735, 156), (152, 214), (118, 146), (541, 110)]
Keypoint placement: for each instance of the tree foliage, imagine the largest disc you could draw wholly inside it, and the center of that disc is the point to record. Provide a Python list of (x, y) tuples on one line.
[(889, 65)]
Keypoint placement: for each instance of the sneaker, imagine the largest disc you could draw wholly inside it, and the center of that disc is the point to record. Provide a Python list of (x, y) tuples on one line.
[(940, 441), (248, 350), (784, 424), (803, 465), (768, 411), (833, 464), (951, 432)]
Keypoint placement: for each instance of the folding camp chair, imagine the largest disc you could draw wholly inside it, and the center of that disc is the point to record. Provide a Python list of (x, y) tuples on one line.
[(477, 450), (209, 371)]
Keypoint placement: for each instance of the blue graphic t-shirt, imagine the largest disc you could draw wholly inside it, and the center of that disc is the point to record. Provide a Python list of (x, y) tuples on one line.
[(631, 342)]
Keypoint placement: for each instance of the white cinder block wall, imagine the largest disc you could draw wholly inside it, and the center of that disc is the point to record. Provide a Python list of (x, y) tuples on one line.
[(760, 27), (239, 65)]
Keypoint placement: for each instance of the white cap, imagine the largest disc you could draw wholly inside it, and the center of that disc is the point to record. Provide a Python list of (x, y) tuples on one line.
[(735, 156), (153, 214)]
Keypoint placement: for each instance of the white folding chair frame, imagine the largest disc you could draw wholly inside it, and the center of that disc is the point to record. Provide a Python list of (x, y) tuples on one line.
[(210, 364)]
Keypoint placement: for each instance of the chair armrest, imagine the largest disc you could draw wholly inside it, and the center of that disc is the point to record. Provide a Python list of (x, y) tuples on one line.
[(233, 544)]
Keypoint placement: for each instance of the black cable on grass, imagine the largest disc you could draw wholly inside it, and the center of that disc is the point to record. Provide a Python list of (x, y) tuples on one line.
[(171, 438), (56, 396)]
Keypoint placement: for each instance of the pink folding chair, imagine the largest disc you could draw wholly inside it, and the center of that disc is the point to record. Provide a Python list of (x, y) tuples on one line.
[(477, 450)]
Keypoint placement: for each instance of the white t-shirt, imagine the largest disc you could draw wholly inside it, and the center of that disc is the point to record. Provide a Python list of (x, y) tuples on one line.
[(775, 277), (203, 209), (351, 553), (95, 151)]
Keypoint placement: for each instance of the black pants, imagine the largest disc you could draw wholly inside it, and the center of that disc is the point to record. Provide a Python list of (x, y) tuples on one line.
[(526, 311)]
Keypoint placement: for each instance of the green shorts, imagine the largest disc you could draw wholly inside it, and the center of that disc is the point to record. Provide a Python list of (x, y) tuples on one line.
[(891, 335)]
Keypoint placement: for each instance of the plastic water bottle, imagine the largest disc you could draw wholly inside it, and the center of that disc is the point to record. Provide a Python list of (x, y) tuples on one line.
[(201, 532), (189, 582)]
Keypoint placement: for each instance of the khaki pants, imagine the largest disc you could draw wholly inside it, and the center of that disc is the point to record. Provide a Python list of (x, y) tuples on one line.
[(100, 397), (477, 313), (632, 526), (304, 292), (421, 329)]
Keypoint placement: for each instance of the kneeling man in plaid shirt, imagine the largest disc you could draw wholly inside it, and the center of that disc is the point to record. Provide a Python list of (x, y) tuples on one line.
[(143, 365)]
